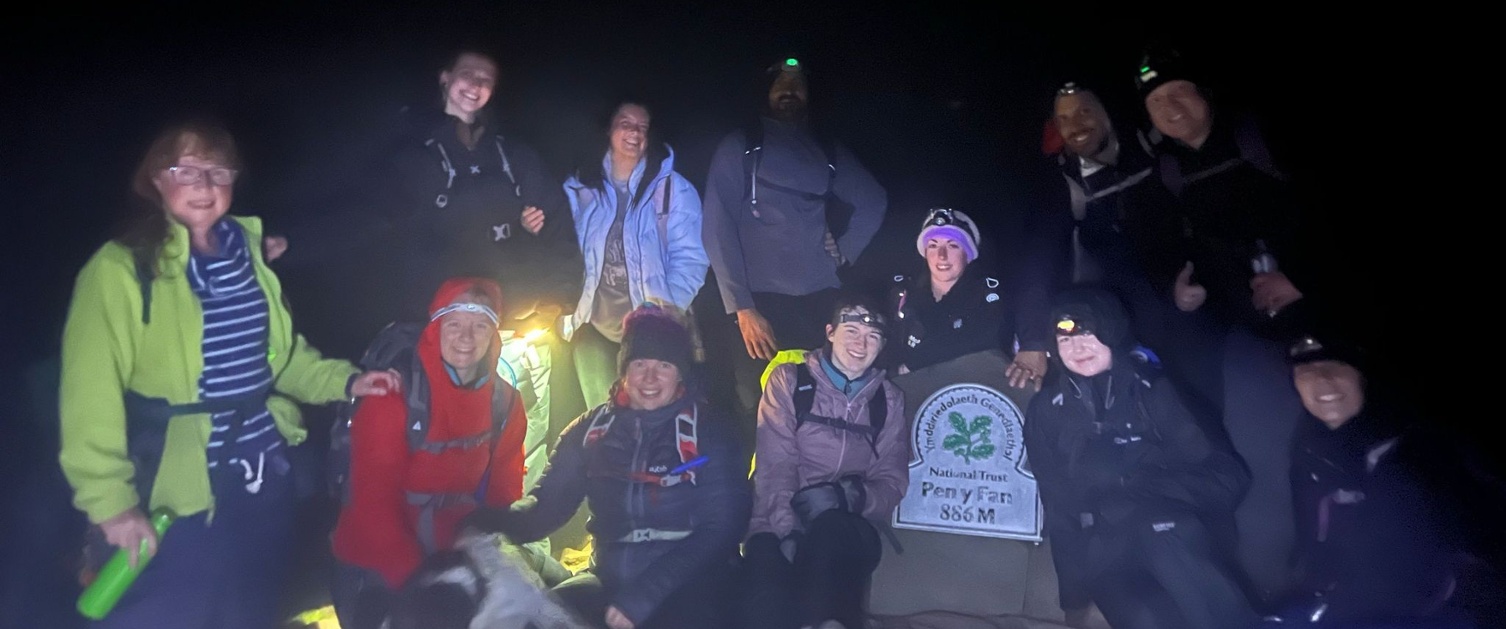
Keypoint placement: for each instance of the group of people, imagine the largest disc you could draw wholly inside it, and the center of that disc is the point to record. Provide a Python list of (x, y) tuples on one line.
[(1209, 454)]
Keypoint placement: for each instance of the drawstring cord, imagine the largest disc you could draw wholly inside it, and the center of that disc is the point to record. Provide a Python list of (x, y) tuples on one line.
[(253, 484)]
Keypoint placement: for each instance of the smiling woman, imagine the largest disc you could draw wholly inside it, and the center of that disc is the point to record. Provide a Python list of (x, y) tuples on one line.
[(179, 362)]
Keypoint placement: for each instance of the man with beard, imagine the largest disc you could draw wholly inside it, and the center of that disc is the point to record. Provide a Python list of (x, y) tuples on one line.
[(783, 210), (1110, 226)]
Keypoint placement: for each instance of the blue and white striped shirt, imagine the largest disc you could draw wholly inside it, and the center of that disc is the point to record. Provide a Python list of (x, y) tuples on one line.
[(235, 348)]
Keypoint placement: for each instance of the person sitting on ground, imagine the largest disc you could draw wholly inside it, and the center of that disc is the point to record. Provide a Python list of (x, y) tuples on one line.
[(1385, 505), (406, 499), (832, 459), (1135, 493), (957, 308), (666, 483)]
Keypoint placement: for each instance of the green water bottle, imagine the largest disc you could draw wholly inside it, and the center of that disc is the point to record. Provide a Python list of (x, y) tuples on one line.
[(117, 575)]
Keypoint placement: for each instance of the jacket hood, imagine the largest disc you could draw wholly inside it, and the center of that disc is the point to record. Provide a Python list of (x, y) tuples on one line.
[(428, 342)]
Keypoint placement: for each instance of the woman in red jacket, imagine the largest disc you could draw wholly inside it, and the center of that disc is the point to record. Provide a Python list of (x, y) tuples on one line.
[(424, 458)]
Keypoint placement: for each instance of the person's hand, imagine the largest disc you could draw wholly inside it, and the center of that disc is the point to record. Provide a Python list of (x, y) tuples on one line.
[(758, 336), (830, 243), (274, 247), (1273, 291), (1028, 369), (376, 383), (128, 530), (533, 219), (617, 620), (1189, 296)]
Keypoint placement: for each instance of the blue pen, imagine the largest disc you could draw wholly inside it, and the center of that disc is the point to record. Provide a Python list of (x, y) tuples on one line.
[(688, 465)]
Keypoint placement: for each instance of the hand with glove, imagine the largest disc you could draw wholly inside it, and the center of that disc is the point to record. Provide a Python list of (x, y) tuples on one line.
[(844, 494)]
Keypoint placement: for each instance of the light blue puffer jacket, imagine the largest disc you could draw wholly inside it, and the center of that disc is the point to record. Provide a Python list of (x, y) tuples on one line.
[(667, 269)]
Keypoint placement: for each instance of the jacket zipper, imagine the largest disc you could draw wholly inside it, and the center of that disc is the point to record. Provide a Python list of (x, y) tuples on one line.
[(633, 507)]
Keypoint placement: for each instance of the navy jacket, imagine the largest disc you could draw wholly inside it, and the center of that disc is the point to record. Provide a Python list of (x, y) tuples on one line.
[(1118, 450), (640, 575)]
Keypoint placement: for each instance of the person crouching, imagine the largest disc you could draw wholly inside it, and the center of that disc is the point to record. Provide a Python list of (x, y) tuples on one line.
[(406, 499), (1134, 491), (832, 456), (666, 483)]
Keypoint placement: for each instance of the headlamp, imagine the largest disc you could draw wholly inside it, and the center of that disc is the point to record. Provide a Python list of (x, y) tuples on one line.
[(466, 307), (1068, 326), (941, 216), (866, 318), (1068, 89), (1306, 345)]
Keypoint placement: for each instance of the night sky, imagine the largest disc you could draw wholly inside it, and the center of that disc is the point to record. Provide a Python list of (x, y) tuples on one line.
[(944, 103)]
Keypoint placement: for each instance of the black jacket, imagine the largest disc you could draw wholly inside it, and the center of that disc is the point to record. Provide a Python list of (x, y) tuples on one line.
[(1384, 510), (1129, 236), (456, 210), (976, 315), (639, 576), (1114, 451), (1229, 202)]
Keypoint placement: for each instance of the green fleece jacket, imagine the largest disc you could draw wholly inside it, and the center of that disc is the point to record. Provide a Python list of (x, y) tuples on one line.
[(107, 350)]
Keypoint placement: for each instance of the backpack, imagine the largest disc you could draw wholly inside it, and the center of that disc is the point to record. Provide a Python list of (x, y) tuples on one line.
[(804, 397), (396, 347), (838, 212), (1252, 151), (687, 443)]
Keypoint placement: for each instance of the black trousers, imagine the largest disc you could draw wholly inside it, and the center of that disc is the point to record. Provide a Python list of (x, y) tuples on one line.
[(828, 580), (702, 602), (799, 322), (1166, 575)]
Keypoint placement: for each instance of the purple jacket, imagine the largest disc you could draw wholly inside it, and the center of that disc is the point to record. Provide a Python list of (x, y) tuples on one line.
[(789, 461)]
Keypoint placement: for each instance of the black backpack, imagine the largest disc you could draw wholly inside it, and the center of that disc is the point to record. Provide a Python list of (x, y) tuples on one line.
[(396, 347), (804, 397)]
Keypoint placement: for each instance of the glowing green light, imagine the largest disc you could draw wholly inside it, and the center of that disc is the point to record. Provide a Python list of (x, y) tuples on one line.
[(1144, 69), (791, 62)]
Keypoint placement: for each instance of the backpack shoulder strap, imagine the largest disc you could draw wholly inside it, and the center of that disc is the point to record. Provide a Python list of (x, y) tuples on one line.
[(417, 400), (601, 422), (144, 277), (752, 157), (1171, 173), (1253, 149), (878, 413), (804, 395), (661, 218)]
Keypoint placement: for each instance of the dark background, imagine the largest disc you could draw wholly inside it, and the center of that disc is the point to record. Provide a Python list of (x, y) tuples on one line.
[(943, 101)]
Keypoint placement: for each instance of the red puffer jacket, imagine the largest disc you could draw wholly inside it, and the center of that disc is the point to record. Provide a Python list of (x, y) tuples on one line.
[(379, 529)]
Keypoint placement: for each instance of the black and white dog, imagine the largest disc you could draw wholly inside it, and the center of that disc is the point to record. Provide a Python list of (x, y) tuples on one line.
[(485, 582)]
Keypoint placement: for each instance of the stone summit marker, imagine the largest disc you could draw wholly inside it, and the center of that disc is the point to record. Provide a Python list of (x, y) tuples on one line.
[(968, 471)]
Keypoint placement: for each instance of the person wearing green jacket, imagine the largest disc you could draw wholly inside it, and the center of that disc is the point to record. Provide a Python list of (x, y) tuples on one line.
[(180, 374)]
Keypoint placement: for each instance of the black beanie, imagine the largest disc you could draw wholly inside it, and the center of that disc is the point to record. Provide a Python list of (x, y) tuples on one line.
[(652, 332), (1159, 67), (1091, 311), (1314, 348)]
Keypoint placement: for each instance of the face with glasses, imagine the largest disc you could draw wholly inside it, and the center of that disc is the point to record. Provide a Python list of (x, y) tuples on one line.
[(196, 191)]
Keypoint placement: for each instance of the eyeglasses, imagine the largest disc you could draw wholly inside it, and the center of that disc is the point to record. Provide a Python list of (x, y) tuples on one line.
[(190, 175), (1068, 89)]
